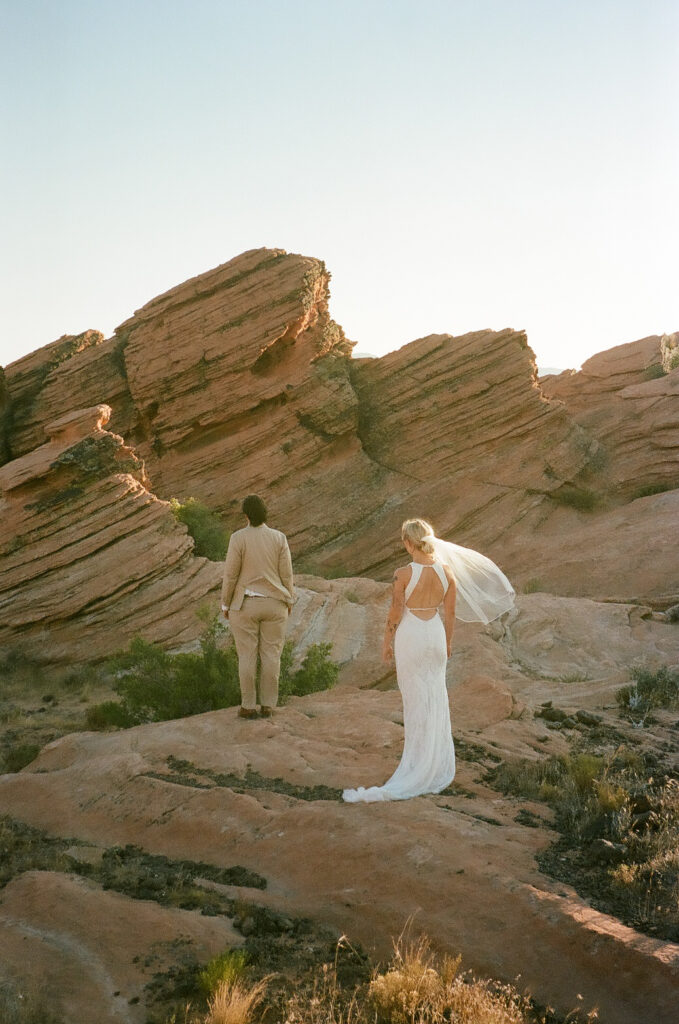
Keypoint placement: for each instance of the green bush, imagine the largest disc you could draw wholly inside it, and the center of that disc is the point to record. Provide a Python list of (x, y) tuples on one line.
[(155, 686), (646, 490), (650, 689), (533, 586), (229, 967), (317, 672), (110, 714), (210, 536), (581, 498)]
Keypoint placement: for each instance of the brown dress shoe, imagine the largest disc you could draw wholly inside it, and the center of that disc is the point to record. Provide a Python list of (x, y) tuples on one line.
[(247, 712), (265, 711)]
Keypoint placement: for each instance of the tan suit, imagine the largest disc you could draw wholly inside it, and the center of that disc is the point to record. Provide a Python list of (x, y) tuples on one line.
[(258, 560)]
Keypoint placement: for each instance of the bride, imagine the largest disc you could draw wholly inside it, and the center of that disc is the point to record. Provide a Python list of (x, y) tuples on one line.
[(463, 584)]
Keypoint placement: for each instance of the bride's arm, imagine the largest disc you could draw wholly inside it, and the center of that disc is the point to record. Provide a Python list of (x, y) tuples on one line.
[(449, 609), (401, 577)]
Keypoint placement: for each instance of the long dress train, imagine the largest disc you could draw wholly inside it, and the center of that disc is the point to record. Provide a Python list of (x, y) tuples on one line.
[(428, 761)]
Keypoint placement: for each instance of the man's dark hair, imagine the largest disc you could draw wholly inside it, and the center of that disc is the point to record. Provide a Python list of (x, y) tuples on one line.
[(255, 509)]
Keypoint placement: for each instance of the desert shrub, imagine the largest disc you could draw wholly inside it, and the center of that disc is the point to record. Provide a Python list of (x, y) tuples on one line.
[(16, 757), (657, 688), (416, 987), (229, 967), (646, 490), (672, 614), (628, 802), (673, 361), (317, 672), (234, 1002), (210, 536), (533, 586), (581, 498), (107, 715), (584, 790), (155, 686), (19, 669)]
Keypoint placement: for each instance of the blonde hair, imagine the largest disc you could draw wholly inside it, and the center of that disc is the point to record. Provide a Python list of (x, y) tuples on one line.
[(420, 533)]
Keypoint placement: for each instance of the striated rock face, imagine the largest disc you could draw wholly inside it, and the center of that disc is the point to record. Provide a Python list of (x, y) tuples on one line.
[(628, 398), (35, 387), (475, 444), (238, 381), (89, 556)]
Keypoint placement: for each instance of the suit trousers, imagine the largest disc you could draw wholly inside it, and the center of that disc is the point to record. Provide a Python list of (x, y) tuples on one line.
[(258, 628)]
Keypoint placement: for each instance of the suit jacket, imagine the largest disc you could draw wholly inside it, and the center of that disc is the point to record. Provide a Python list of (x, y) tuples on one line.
[(258, 558)]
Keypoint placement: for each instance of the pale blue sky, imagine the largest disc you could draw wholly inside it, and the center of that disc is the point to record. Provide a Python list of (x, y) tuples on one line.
[(458, 164)]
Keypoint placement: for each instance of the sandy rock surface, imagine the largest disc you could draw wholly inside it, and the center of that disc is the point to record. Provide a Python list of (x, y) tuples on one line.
[(459, 862), (94, 951)]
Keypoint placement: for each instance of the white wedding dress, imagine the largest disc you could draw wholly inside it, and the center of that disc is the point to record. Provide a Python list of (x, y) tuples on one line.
[(428, 761)]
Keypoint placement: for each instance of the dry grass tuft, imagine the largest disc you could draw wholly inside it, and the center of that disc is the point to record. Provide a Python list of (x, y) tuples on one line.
[(233, 1002), (419, 988)]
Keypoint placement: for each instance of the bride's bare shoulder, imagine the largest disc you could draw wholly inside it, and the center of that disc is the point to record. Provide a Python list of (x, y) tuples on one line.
[(402, 575), (448, 572)]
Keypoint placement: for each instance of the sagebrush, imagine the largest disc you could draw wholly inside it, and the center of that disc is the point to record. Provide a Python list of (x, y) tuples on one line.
[(624, 802), (155, 686)]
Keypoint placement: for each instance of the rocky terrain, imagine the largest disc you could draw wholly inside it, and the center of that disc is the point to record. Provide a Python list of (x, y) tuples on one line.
[(225, 792), (236, 381)]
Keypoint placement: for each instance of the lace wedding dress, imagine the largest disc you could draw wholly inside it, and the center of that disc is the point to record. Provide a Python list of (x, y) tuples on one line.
[(428, 761)]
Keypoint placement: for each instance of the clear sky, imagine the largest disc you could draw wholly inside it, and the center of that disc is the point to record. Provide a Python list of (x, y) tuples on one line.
[(458, 164)]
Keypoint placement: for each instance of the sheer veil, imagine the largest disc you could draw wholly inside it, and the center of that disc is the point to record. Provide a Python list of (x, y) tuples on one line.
[(483, 591)]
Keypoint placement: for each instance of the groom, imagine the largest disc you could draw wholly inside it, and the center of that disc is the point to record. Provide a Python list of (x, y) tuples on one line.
[(257, 597)]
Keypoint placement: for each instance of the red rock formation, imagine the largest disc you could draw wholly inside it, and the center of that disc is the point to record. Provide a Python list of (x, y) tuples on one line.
[(238, 380), (37, 395), (627, 397), (89, 556)]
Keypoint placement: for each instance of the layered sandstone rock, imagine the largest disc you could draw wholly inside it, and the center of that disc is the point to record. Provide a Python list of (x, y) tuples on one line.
[(476, 445), (628, 398), (625, 553), (238, 380), (90, 556), (36, 395)]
